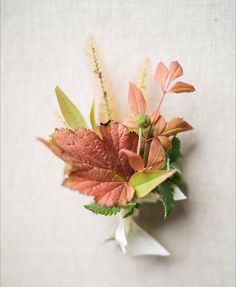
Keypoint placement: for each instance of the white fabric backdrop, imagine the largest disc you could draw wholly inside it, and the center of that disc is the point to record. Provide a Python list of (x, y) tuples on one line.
[(48, 238)]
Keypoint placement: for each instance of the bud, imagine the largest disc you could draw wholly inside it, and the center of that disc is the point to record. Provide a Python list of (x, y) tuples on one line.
[(142, 121)]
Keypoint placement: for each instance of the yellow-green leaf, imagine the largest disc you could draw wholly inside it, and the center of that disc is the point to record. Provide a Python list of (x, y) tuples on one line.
[(93, 121), (145, 182), (70, 112)]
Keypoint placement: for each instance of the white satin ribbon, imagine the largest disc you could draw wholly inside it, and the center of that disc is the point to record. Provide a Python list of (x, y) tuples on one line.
[(136, 241)]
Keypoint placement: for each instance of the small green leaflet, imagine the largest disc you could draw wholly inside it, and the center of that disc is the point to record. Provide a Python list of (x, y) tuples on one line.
[(112, 210), (174, 153), (145, 182), (175, 166), (130, 208), (93, 122), (104, 210), (177, 179), (166, 192), (70, 112)]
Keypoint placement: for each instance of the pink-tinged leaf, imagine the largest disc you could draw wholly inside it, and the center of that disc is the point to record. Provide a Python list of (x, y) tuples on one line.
[(176, 126), (135, 160), (181, 87), (154, 116), (160, 125), (175, 71), (165, 142), (156, 155), (101, 169), (161, 75), (137, 103), (130, 123)]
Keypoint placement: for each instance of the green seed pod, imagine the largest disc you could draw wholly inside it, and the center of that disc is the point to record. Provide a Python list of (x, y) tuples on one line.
[(142, 121)]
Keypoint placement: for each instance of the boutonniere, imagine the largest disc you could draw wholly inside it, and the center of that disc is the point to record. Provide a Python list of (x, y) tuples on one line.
[(122, 164)]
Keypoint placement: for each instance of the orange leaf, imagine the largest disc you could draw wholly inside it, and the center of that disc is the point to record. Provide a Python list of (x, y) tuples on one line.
[(165, 141), (160, 125), (181, 87), (135, 160), (175, 71), (176, 126), (137, 103), (161, 75), (156, 155), (154, 116)]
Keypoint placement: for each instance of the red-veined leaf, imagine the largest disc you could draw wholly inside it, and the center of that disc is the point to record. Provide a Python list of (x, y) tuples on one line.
[(101, 169)]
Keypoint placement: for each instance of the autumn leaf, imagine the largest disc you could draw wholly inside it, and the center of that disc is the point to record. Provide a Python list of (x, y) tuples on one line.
[(166, 129), (175, 71), (135, 160), (164, 77), (156, 155), (102, 170), (165, 142), (181, 87), (161, 75), (175, 126), (137, 103)]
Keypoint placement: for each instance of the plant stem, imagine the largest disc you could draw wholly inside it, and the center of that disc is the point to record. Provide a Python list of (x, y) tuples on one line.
[(156, 113), (140, 134), (146, 152)]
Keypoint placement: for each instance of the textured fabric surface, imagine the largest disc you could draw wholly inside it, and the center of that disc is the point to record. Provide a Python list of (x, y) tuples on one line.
[(48, 238)]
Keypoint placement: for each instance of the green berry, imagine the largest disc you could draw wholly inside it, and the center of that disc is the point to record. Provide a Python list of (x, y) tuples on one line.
[(142, 121)]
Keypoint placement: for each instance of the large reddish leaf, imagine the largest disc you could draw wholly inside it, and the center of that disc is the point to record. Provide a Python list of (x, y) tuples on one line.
[(101, 169)]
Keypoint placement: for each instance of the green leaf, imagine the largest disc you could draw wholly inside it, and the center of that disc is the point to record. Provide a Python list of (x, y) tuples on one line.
[(174, 153), (70, 112), (175, 166), (103, 210), (166, 192), (177, 179), (131, 208), (93, 122), (145, 182)]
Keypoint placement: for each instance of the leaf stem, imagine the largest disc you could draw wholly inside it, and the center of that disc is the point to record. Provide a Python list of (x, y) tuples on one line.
[(140, 134), (146, 152), (156, 113)]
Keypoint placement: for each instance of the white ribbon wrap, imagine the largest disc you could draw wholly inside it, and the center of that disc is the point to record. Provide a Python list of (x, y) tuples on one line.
[(136, 241)]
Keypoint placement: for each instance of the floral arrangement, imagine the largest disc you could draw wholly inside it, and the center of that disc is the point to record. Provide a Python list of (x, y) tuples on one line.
[(123, 164)]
